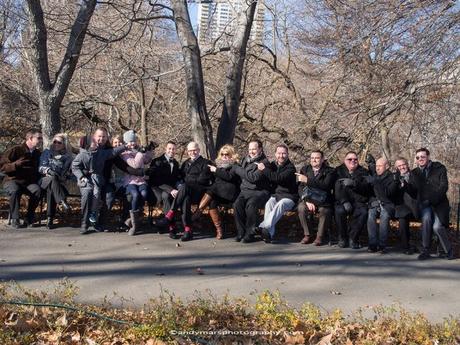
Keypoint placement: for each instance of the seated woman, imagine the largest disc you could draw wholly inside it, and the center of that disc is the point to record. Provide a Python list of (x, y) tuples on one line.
[(135, 185), (55, 168), (224, 190)]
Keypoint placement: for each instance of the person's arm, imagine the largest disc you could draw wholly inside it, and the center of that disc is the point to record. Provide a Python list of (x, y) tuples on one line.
[(67, 163), (10, 161), (123, 166), (44, 164), (77, 167), (279, 177), (136, 161), (439, 187)]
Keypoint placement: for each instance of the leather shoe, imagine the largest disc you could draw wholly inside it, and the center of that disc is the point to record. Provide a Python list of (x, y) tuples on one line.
[(248, 239), (354, 245), (343, 244), (372, 249), (424, 256), (84, 230), (306, 239), (187, 236), (49, 223), (15, 224), (266, 235), (238, 239)]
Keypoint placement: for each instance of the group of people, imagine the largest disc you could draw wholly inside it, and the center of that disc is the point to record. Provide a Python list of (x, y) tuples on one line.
[(353, 197)]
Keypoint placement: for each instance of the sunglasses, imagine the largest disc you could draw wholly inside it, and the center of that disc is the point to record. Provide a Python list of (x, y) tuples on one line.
[(420, 157), (352, 159), (225, 154), (57, 142)]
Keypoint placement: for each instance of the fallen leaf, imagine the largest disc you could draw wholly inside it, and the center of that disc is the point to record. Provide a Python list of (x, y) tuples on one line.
[(326, 340), (338, 293), (296, 338), (62, 321)]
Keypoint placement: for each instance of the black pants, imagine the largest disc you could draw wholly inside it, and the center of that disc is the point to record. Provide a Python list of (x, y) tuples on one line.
[(15, 191), (164, 197), (349, 226), (55, 193), (186, 196), (246, 209)]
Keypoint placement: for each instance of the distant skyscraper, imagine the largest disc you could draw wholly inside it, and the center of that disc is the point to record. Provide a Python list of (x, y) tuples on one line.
[(217, 19)]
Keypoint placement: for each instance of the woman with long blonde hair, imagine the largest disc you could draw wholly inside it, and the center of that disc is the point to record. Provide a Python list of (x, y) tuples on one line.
[(225, 188)]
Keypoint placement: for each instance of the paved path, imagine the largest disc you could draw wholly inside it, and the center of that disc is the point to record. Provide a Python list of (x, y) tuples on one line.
[(139, 267)]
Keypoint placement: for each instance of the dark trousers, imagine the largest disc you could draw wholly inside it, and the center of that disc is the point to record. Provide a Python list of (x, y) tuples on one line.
[(186, 196), (15, 191), (246, 209), (404, 231), (431, 223), (112, 193), (324, 219), (164, 197), (55, 193), (349, 226)]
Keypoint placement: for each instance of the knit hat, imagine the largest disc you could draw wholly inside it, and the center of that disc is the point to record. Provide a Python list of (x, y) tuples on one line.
[(129, 136)]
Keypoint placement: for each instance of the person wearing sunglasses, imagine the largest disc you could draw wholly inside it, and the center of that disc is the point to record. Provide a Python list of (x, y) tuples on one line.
[(20, 165), (55, 170), (429, 183), (352, 192)]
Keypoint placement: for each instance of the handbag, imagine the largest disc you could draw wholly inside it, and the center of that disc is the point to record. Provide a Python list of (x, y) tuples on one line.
[(315, 195)]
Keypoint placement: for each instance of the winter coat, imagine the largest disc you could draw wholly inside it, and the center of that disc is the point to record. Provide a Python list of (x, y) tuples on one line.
[(359, 192), (251, 177), (405, 204), (25, 174), (161, 175), (227, 183), (136, 160), (324, 181), (197, 173), (57, 162), (431, 190), (283, 180), (385, 188)]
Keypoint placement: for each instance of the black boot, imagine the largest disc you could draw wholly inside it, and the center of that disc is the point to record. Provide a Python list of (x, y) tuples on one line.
[(49, 223)]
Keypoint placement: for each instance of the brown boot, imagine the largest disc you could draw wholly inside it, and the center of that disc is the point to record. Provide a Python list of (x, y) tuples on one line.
[(318, 241), (306, 240), (205, 200), (215, 216)]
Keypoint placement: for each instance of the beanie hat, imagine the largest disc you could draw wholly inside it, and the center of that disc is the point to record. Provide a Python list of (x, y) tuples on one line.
[(129, 136)]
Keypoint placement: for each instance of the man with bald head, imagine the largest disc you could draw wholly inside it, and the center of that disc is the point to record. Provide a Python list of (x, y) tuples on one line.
[(385, 187), (196, 177)]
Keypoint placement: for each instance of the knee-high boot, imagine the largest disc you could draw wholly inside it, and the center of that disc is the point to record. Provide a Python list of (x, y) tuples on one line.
[(217, 221), (205, 200)]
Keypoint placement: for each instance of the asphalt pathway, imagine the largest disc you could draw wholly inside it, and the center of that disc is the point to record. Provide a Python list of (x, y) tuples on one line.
[(132, 270)]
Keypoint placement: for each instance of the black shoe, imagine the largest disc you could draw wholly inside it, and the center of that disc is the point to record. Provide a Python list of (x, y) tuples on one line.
[(424, 256), (408, 251), (248, 239), (65, 206), (28, 224), (187, 236), (354, 245), (383, 250), (372, 249), (450, 255), (49, 223), (266, 235), (238, 239), (98, 228), (343, 244), (15, 224)]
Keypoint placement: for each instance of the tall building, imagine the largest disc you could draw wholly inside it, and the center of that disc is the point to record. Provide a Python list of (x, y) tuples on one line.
[(217, 19)]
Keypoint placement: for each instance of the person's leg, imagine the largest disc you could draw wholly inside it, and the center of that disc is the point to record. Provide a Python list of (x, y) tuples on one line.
[(133, 190), (277, 212), (59, 193), (144, 195), (239, 212), (86, 201), (441, 232), (384, 228), (372, 228), (404, 231), (255, 202), (302, 212), (427, 218), (341, 223), (357, 223), (269, 205), (34, 192), (324, 223), (14, 191)]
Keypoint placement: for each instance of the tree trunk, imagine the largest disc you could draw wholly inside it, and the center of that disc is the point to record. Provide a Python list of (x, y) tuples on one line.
[(234, 75), (196, 101), (51, 94)]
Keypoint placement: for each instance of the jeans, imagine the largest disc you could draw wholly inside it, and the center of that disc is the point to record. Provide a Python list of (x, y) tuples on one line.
[(431, 223), (274, 210), (139, 194), (378, 235)]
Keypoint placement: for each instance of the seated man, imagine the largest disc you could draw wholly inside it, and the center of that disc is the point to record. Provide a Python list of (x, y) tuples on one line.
[(20, 164), (254, 192), (405, 204), (164, 176), (321, 177), (381, 206), (281, 174), (352, 195), (428, 182), (197, 177)]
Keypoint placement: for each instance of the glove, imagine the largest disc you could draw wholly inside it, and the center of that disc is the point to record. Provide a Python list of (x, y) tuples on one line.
[(348, 182), (370, 160), (348, 206), (370, 179), (82, 182), (50, 172)]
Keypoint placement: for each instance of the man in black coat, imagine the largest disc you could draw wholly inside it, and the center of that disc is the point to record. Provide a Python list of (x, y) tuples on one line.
[(20, 164), (429, 181), (164, 176), (197, 178), (352, 193), (385, 188), (316, 175), (255, 191), (281, 174), (405, 205)]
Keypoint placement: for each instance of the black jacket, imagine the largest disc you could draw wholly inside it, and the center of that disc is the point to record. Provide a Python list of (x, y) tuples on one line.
[(227, 183), (431, 190), (25, 174), (361, 190), (385, 188), (197, 173), (251, 177), (160, 174), (405, 204), (282, 178), (324, 181)]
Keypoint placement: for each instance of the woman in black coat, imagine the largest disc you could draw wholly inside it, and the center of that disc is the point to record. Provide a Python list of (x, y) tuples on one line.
[(225, 188)]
